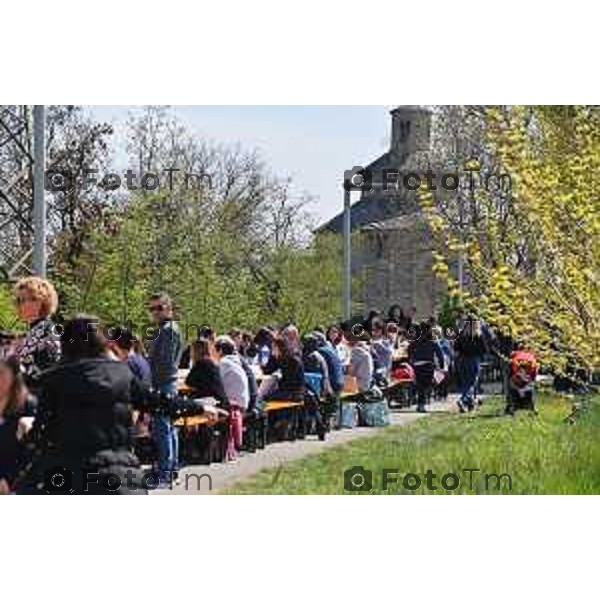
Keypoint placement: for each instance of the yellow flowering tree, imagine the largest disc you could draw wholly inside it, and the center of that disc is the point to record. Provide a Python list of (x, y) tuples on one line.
[(531, 253)]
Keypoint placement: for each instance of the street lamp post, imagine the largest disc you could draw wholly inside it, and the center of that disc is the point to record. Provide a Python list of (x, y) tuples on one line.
[(347, 279)]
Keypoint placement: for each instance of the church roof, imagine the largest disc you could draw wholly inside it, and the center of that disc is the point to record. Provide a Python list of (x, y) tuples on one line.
[(363, 212), (398, 223), (377, 205)]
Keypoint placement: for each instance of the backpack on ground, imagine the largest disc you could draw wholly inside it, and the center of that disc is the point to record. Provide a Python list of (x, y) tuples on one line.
[(349, 417), (373, 409)]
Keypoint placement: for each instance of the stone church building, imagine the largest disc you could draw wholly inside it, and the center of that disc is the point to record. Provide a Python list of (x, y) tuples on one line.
[(392, 251)]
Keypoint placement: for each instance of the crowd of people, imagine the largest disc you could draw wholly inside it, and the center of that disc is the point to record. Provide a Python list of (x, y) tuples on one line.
[(71, 394)]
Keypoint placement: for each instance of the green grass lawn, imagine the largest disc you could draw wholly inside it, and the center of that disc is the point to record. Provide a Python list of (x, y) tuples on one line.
[(546, 454)]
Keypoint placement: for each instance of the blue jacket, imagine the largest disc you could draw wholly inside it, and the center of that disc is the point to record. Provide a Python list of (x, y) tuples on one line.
[(334, 366)]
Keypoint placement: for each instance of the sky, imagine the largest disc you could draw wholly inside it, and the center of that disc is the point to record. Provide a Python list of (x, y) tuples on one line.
[(311, 144)]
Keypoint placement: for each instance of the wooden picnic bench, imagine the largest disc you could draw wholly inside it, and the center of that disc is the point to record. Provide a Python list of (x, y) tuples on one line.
[(280, 428), (203, 438)]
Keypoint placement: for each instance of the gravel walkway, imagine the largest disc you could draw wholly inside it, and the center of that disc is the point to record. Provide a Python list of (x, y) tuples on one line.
[(199, 479)]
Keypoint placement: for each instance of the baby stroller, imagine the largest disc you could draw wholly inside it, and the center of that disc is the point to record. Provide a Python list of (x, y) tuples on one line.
[(401, 393), (523, 372)]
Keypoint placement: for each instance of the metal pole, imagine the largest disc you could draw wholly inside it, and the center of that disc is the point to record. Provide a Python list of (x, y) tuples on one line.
[(39, 201), (461, 260), (347, 301)]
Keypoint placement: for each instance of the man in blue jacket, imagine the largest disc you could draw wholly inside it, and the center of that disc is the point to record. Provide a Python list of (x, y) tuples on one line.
[(335, 369), (334, 364)]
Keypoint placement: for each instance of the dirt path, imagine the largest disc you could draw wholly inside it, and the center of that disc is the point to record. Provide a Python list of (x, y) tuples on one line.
[(199, 479)]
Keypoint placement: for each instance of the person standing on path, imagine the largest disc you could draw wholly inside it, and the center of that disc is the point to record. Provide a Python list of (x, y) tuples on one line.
[(164, 355), (422, 354), (469, 348)]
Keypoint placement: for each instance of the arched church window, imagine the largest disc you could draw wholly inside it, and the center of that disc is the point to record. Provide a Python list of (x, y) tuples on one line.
[(404, 130), (380, 244)]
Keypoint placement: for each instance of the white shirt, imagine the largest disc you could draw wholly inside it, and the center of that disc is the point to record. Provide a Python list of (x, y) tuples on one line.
[(361, 366), (235, 381)]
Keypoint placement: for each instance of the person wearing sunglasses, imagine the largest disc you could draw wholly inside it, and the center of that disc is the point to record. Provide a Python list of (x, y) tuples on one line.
[(164, 356), (37, 301)]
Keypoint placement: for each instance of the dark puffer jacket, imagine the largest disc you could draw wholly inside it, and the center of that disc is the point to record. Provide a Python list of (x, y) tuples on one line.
[(84, 423)]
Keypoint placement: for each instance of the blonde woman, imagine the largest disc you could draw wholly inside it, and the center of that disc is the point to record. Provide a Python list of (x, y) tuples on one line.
[(37, 301)]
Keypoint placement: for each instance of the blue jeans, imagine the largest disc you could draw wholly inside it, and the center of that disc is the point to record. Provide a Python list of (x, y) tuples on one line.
[(167, 439), (469, 374)]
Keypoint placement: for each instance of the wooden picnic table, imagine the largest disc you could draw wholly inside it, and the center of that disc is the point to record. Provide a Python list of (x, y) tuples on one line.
[(197, 420), (273, 405)]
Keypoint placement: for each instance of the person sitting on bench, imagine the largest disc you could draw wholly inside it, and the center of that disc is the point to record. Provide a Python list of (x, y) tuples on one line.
[(381, 350), (235, 382), (361, 363), (314, 362), (290, 382), (237, 337), (204, 377), (335, 337)]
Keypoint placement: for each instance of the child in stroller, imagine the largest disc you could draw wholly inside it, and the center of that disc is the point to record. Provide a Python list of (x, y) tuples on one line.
[(402, 394), (523, 373)]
